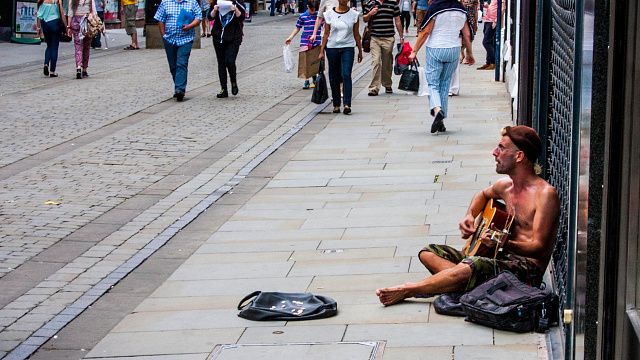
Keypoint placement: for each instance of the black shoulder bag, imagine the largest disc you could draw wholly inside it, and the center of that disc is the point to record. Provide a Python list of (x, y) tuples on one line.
[(506, 303)]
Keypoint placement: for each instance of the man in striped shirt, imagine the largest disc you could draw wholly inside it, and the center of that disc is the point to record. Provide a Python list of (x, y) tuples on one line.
[(382, 16)]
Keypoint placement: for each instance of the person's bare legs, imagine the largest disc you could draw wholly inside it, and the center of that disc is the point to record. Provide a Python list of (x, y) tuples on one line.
[(134, 39), (452, 279), (433, 262)]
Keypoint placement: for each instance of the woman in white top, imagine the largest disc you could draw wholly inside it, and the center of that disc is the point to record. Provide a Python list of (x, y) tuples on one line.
[(440, 29), (341, 35), (77, 10), (405, 15)]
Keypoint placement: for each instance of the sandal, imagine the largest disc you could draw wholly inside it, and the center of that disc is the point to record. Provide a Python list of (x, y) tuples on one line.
[(131, 48)]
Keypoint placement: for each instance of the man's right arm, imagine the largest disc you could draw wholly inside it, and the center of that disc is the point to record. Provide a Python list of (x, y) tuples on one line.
[(161, 27), (368, 11)]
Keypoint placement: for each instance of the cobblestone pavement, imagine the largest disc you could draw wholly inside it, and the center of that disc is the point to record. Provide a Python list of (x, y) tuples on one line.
[(92, 179), (131, 136)]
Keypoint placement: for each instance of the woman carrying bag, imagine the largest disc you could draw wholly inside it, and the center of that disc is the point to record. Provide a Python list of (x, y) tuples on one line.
[(228, 22), (52, 22), (341, 35), (82, 44), (440, 29)]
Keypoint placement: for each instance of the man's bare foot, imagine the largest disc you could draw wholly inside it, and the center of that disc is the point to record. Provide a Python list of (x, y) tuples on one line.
[(393, 295)]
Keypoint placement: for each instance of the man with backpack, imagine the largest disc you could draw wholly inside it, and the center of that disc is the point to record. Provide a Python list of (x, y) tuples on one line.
[(532, 202)]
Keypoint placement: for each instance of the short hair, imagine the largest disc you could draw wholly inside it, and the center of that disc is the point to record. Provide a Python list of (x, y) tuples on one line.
[(312, 4)]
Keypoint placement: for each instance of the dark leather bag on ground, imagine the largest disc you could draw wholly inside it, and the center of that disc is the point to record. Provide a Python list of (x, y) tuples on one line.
[(506, 303), (272, 306), (449, 304), (366, 40), (410, 79), (320, 92)]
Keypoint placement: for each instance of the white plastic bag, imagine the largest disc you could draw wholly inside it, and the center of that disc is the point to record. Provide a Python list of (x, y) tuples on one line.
[(288, 58), (423, 90)]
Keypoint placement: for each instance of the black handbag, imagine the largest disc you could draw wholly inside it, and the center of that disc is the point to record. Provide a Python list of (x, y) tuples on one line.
[(320, 92), (267, 306), (397, 68), (410, 79), (506, 303), (449, 304), (366, 40)]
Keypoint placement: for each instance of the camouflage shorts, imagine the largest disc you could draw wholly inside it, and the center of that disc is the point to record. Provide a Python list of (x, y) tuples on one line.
[(484, 268)]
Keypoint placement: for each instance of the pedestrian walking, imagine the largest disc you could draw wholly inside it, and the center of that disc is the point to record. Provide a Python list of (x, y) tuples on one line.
[(341, 35), (405, 15), (471, 7), (440, 29), (228, 22), (325, 5), (206, 26), (96, 43), (51, 21), (77, 10), (130, 9), (381, 16), (306, 22), (176, 21), (490, 20), (421, 7)]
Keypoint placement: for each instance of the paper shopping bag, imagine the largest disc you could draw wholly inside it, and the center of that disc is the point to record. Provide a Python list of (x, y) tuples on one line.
[(308, 62)]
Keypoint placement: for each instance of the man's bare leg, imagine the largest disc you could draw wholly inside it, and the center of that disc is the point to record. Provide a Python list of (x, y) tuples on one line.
[(452, 279), (433, 262)]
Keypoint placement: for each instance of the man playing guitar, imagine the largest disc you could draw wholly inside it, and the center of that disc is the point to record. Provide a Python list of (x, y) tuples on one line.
[(535, 206)]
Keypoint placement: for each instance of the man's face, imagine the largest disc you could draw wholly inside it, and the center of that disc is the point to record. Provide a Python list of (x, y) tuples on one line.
[(505, 155)]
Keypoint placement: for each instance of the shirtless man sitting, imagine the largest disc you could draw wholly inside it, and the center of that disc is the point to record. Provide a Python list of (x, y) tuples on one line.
[(528, 250)]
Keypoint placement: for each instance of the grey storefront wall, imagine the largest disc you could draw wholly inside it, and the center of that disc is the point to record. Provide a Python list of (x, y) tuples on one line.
[(580, 89)]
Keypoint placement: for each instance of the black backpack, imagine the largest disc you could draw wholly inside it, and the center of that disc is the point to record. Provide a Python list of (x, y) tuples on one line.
[(506, 303), (267, 306)]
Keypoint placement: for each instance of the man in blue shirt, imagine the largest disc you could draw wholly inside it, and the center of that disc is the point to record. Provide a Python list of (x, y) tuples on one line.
[(176, 20), (421, 10)]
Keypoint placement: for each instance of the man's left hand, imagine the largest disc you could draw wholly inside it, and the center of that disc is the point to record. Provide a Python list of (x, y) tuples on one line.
[(185, 28), (488, 239)]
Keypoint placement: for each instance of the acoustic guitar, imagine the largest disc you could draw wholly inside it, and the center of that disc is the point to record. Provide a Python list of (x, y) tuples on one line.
[(495, 218)]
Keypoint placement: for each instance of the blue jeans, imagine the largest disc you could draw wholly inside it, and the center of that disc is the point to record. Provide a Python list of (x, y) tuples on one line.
[(489, 42), (51, 30), (440, 65), (96, 43), (340, 65), (272, 8), (178, 58)]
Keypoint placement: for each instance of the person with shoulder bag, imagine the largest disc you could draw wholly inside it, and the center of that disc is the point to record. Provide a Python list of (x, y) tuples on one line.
[(79, 9), (52, 22), (439, 31)]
